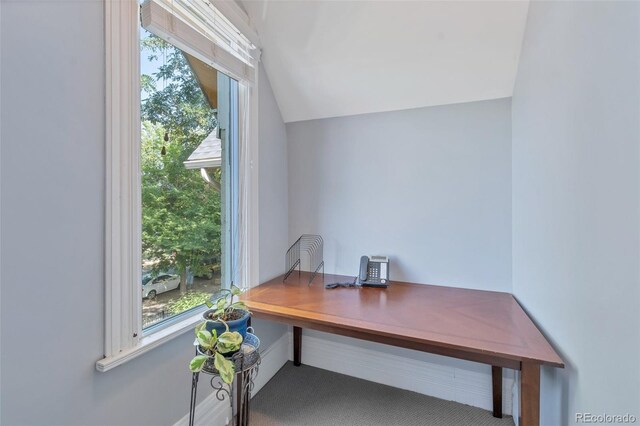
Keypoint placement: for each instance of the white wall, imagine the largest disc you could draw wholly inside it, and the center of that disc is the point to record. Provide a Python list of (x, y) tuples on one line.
[(52, 225), (273, 197), (274, 200), (430, 187), (575, 201)]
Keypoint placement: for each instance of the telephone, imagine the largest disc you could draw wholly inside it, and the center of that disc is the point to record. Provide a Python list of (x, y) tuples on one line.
[(374, 271)]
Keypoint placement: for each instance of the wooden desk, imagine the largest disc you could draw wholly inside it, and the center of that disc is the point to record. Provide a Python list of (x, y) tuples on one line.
[(482, 326)]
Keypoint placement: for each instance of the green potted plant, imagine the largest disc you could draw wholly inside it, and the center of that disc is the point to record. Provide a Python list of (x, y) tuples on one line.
[(214, 351), (227, 313)]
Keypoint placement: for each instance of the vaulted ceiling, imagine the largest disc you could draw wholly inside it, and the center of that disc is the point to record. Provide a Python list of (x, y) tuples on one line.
[(336, 58)]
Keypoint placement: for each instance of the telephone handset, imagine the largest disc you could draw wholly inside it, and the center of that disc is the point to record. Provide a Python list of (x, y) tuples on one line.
[(374, 271)]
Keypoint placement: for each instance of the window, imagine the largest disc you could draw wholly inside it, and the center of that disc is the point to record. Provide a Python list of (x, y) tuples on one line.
[(188, 125), (181, 216)]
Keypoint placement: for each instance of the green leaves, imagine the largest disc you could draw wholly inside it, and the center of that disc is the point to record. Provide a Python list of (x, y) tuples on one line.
[(181, 215), (225, 367), (229, 342), (221, 303), (239, 305), (197, 363), (207, 340), (179, 222), (186, 302), (201, 326), (225, 305), (210, 342), (204, 339)]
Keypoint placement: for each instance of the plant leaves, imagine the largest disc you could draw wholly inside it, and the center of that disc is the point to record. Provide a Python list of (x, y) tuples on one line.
[(197, 363), (213, 330), (221, 303), (205, 339), (232, 337), (225, 368), (235, 290), (239, 305), (229, 342), (199, 327), (225, 348)]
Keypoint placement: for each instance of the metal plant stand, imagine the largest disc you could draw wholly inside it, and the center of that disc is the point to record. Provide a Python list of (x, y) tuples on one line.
[(247, 364)]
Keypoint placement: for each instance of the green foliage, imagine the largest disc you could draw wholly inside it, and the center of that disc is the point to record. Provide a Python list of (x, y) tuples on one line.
[(224, 367), (197, 363), (181, 214), (213, 348), (174, 96), (187, 301), (225, 305), (229, 342)]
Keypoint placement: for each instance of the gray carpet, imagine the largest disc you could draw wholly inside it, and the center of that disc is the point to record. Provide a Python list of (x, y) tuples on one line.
[(298, 396)]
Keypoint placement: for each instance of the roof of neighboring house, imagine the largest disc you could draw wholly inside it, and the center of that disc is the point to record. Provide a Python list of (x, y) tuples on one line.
[(208, 154)]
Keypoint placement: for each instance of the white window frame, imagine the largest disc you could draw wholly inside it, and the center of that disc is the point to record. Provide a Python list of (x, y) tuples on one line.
[(124, 339)]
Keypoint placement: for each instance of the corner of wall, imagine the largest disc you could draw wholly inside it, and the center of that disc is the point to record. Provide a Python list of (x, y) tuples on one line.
[(273, 196)]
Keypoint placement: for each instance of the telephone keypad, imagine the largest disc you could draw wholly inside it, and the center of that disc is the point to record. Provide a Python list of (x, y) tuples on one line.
[(373, 273)]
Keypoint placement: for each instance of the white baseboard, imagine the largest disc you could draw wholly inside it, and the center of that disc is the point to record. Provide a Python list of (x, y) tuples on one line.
[(209, 412), (212, 412), (453, 382), (273, 358)]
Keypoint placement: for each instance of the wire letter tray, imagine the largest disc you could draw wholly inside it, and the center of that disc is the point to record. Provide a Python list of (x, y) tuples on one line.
[(312, 245)]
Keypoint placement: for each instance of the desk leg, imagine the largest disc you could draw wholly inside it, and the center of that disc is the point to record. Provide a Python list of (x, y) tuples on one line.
[(496, 373), (297, 346), (529, 394)]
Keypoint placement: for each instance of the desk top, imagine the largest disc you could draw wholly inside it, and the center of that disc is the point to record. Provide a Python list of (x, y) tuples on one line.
[(482, 322)]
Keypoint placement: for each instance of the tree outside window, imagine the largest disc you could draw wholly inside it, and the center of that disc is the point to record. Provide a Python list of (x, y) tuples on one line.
[(181, 212)]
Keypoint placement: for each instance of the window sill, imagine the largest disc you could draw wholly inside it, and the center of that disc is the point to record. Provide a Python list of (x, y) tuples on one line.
[(150, 341)]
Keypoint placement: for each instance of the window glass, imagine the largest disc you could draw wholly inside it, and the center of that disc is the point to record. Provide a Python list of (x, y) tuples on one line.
[(186, 199)]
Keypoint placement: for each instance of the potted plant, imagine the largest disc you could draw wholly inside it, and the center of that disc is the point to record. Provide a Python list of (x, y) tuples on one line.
[(226, 314), (214, 351)]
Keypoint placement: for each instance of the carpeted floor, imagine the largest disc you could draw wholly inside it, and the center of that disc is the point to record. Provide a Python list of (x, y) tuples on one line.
[(299, 396)]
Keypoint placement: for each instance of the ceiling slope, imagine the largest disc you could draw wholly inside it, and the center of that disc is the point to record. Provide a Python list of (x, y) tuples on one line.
[(336, 58)]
